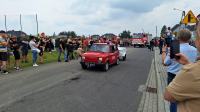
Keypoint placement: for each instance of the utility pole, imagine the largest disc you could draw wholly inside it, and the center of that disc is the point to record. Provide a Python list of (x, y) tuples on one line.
[(156, 31), (37, 24), (20, 21), (5, 23)]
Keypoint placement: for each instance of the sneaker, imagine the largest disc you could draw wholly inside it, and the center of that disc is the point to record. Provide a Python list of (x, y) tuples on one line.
[(35, 65), (5, 72), (18, 69)]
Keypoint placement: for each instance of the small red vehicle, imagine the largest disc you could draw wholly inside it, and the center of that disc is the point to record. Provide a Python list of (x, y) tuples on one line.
[(101, 55)]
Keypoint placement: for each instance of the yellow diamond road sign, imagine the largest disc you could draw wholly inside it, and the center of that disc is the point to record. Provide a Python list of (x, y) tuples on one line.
[(189, 18)]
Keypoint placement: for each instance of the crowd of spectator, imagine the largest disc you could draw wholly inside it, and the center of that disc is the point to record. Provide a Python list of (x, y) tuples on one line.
[(67, 48), (19, 47)]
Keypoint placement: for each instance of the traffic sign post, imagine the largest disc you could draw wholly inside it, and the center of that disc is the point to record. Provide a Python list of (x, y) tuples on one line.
[(189, 18)]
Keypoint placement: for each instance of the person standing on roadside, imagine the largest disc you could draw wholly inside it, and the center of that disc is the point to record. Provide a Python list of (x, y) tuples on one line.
[(168, 38), (3, 51), (61, 49), (65, 44), (184, 89), (152, 44), (161, 43), (70, 50), (24, 50), (41, 47), (35, 50), (15, 46), (173, 67)]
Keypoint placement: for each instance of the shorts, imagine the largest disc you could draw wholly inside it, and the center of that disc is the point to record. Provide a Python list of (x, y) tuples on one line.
[(3, 56), (16, 55), (24, 52)]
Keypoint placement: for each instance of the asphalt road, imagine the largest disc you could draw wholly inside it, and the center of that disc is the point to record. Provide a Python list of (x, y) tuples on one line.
[(94, 90)]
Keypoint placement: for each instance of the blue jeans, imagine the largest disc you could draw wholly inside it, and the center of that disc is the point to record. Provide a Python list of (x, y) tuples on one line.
[(34, 56), (170, 77), (60, 53), (65, 55)]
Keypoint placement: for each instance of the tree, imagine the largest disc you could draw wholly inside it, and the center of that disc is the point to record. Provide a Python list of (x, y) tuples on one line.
[(72, 34), (125, 34), (63, 33), (68, 34), (163, 30), (109, 35)]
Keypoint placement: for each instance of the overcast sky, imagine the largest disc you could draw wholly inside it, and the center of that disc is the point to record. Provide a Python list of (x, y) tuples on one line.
[(94, 16)]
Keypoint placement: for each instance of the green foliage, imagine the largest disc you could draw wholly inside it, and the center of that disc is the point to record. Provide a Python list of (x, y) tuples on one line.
[(163, 30), (125, 34), (71, 34)]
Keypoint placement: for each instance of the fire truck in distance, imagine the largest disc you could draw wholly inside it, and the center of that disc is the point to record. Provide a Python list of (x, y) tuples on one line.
[(140, 40)]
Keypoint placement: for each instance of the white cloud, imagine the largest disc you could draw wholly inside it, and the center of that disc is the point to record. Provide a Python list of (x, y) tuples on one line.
[(93, 16)]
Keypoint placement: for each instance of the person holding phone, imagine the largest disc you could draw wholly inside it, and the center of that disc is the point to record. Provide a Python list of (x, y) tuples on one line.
[(35, 50), (185, 89), (173, 67)]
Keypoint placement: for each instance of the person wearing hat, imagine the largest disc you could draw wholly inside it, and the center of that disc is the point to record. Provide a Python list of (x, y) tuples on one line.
[(3, 51)]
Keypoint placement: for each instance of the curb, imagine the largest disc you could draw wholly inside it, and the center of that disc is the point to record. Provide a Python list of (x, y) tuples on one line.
[(157, 75)]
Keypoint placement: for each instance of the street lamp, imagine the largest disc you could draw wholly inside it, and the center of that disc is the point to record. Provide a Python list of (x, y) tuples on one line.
[(182, 16), (183, 13), (178, 9)]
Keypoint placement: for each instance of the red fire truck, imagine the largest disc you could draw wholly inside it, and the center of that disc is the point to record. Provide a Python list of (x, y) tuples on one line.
[(139, 42)]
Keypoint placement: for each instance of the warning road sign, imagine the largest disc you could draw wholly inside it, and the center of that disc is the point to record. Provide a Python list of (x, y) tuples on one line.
[(189, 18)]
